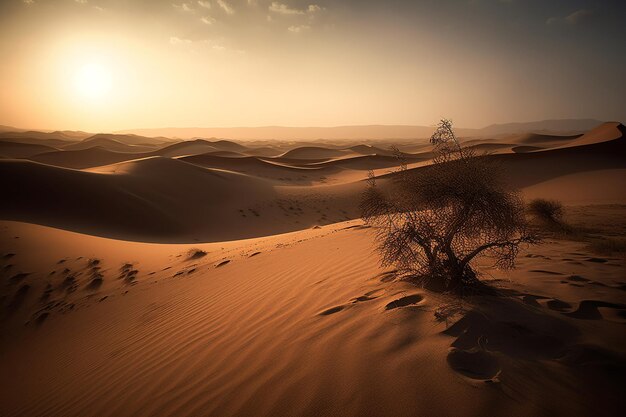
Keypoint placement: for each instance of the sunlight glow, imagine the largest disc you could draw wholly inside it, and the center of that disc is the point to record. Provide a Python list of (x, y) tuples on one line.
[(93, 81)]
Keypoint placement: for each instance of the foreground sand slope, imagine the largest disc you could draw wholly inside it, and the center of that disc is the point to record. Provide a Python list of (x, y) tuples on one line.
[(298, 324)]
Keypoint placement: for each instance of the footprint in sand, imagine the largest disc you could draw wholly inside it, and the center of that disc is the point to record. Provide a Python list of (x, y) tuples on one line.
[(404, 301), (196, 254), (543, 271), (45, 296), (128, 273), (558, 305), (362, 299), (18, 298), (577, 278), (95, 283), (41, 318), (331, 310), (597, 260), (531, 299), (18, 277), (588, 309), (387, 276), (368, 296)]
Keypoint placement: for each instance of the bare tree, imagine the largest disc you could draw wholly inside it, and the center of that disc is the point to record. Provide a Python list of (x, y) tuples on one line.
[(433, 222)]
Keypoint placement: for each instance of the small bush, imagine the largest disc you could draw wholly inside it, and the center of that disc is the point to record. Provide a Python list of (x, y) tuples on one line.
[(547, 210), (432, 223)]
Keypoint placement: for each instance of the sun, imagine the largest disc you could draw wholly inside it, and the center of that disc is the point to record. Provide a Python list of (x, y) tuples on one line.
[(93, 81)]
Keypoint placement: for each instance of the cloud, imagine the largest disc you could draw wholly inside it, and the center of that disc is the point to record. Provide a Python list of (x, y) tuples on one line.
[(577, 17), (81, 1), (226, 7), (298, 28), (573, 18), (185, 7), (283, 9), (174, 40), (207, 20), (29, 2), (204, 4)]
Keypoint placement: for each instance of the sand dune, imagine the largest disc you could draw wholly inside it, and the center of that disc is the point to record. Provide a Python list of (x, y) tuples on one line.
[(227, 145), (227, 154), (174, 197), (145, 199), (193, 147), (239, 328), (602, 133), (22, 150), (535, 139), (524, 169), (84, 158), (603, 149), (603, 186), (257, 167), (370, 150), (108, 143), (32, 135), (264, 151), (129, 139), (313, 152), (564, 126)]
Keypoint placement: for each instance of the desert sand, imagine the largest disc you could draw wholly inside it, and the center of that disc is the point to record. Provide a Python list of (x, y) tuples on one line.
[(152, 276)]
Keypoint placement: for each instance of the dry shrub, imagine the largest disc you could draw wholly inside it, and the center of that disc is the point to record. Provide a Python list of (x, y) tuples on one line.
[(433, 223), (546, 210)]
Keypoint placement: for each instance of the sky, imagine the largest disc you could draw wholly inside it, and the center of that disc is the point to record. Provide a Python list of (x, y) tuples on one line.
[(106, 65)]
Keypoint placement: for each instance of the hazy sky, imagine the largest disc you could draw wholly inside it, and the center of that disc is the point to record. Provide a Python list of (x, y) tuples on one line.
[(103, 65)]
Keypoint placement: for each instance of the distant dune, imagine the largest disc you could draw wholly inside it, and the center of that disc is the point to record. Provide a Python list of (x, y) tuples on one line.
[(117, 143), (153, 198), (313, 152), (22, 150), (84, 158), (560, 126), (210, 187)]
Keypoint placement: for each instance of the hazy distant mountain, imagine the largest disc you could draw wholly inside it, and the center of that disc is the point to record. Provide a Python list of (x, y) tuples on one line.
[(292, 133), (10, 129), (54, 139), (365, 132), (563, 126)]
